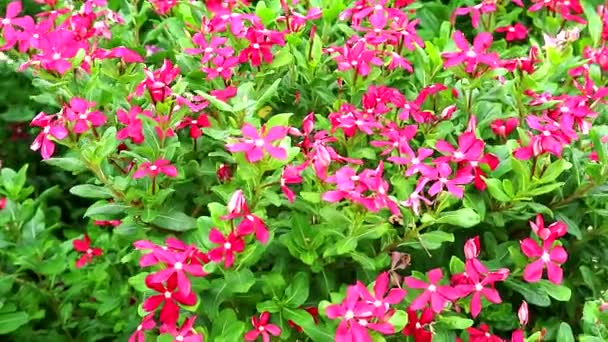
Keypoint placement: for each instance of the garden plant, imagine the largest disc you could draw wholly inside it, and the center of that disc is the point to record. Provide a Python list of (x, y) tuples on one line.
[(304, 170)]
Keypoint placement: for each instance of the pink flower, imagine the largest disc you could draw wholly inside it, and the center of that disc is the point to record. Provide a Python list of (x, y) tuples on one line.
[(185, 333), (179, 264), (210, 49), (262, 327), (222, 67), (475, 11), (380, 299), (51, 129), (157, 82), (357, 57), (471, 57), (477, 284), (2, 203), (514, 32), (163, 7), (253, 224), (154, 169), (254, 144), (503, 128), (453, 185), (10, 21), (134, 129), (146, 324), (469, 148), (547, 256), (434, 294), (229, 245), (554, 231), (260, 48), (292, 174), (355, 316), (84, 246), (78, 113), (168, 297), (56, 48)]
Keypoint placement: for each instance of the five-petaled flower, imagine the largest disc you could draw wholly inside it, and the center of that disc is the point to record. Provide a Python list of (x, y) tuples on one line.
[(434, 294), (227, 248), (471, 57), (262, 328), (84, 246), (154, 169), (254, 144)]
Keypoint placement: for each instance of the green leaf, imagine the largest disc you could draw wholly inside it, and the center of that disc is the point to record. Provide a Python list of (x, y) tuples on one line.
[(306, 322), (74, 165), (312, 197), (543, 189), (279, 120), (559, 292), (554, 170), (594, 22), (297, 292), (34, 226), (268, 94), (226, 327), (531, 292), (496, 190), (105, 208), (455, 322), (175, 221), (91, 191), (399, 320), (465, 217), (165, 338), (240, 281), (10, 322), (564, 334), (54, 266), (138, 282), (433, 240), (456, 265), (282, 58)]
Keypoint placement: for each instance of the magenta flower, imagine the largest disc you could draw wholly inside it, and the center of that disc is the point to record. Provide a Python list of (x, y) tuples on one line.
[(84, 246), (514, 32), (259, 49), (472, 248), (453, 185), (185, 333), (554, 231), (78, 113), (223, 67), (10, 21), (481, 285), (262, 327), (469, 148), (547, 256), (471, 57), (178, 264), (503, 128), (475, 11), (434, 294), (355, 316), (414, 160), (357, 57), (134, 129), (482, 334), (210, 49), (51, 129), (169, 296), (146, 324), (157, 82), (416, 325), (292, 174), (253, 224), (254, 144), (56, 48), (229, 245), (380, 299), (154, 169)]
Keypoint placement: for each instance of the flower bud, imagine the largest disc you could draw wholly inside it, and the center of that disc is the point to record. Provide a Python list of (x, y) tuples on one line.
[(471, 248), (237, 204), (522, 313), (224, 173)]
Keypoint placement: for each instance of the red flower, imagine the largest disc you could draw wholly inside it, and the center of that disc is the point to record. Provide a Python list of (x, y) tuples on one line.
[(195, 125), (480, 284), (224, 173), (2, 203), (380, 299), (168, 297), (262, 327), (84, 246), (156, 168), (416, 326), (503, 128), (229, 245), (482, 334), (134, 129), (179, 264), (51, 128)]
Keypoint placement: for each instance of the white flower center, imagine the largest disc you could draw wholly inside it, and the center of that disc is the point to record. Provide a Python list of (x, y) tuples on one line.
[(6, 21), (377, 303), (354, 178), (471, 54), (546, 257), (564, 109), (511, 29), (179, 338), (178, 265), (89, 251), (415, 161), (458, 155), (349, 314), (153, 168), (208, 50), (478, 287), (36, 35), (443, 180), (362, 322), (227, 245), (256, 46), (259, 142), (354, 63), (418, 325), (56, 56), (546, 133), (261, 328), (167, 294), (46, 129), (432, 288), (82, 117)]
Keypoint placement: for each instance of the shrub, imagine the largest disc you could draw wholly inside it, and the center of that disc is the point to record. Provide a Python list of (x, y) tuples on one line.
[(309, 170)]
